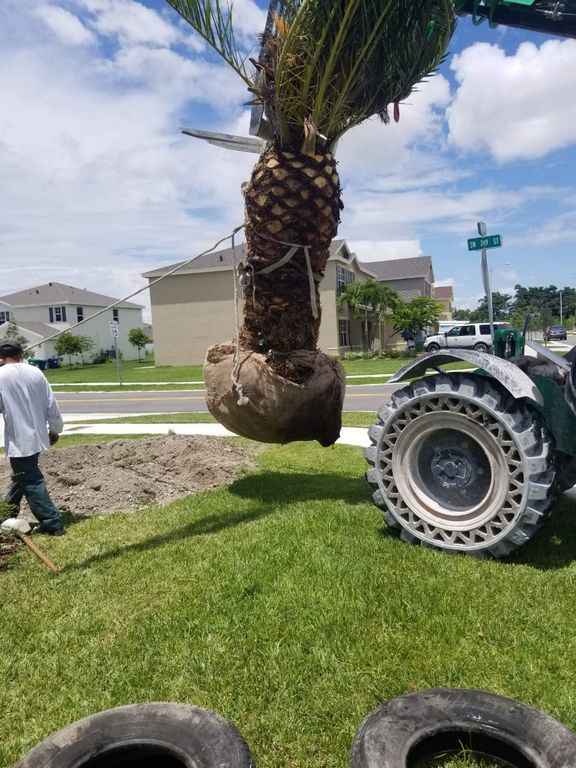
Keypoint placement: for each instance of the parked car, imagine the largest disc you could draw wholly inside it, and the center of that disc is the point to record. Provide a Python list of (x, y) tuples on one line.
[(472, 336), (555, 333)]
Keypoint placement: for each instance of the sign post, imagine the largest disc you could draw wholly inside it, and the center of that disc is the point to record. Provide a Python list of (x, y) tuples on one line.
[(115, 332), (482, 243)]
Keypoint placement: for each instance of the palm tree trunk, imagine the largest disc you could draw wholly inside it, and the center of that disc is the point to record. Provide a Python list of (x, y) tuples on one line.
[(291, 198), (294, 392)]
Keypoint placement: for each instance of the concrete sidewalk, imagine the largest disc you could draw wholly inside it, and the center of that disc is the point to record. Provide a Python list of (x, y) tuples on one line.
[(349, 436)]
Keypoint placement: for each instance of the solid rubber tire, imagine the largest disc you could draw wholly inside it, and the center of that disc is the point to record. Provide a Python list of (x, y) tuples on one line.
[(195, 737), (398, 730), (526, 427)]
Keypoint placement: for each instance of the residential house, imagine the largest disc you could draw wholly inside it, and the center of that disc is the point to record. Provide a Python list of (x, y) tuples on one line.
[(4, 313), (43, 310), (194, 308), (444, 294), (409, 277)]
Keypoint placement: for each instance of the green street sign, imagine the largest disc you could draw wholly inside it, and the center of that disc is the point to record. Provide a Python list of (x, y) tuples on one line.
[(490, 241)]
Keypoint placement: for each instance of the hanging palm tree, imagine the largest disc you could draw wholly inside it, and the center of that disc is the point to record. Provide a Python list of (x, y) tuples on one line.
[(326, 66)]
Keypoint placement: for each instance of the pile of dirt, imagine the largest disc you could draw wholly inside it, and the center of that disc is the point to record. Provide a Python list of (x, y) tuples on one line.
[(125, 475)]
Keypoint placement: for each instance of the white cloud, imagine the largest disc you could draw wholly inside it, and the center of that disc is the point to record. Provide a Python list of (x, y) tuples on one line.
[(98, 184), (67, 27), (515, 106), (130, 21), (247, 17), (381, 250), (374, 149), (176, 77)]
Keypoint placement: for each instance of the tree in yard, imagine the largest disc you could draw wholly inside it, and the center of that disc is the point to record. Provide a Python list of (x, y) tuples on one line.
[(462, 314), (325, 67), (69, 345), (13, 335), (416, 316), (501, 306), (86, 344), (368, 297), (138, 338)]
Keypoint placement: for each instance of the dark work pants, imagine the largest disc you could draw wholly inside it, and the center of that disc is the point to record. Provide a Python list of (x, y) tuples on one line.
[(28, 482)]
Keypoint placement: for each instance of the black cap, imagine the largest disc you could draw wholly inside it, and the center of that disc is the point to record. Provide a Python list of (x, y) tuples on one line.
[(11, 349)]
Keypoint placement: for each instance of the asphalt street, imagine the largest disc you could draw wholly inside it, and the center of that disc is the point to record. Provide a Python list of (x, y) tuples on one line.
[(359, 398)]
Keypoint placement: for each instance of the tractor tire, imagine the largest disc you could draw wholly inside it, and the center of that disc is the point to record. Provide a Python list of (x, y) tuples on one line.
[(457, 464), (147, 736), (566, 472), (420, 726)]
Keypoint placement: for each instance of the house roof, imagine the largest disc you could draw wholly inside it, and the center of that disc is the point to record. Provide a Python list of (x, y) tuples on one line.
[(39, 329), (225, 260), (444, 292), (400, 269), (60, 293)]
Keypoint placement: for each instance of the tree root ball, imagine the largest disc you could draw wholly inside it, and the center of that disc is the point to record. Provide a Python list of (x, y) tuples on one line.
[(274, 409)]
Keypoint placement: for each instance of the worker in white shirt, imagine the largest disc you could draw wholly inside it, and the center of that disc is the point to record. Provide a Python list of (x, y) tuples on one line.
[(32, 423)]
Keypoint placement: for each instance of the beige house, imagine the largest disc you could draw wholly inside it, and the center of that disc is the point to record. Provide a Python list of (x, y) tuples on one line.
[(445, 296), (194, 308)]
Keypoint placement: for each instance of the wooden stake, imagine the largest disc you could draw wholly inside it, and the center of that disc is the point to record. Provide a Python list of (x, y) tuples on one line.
[(38, 552)]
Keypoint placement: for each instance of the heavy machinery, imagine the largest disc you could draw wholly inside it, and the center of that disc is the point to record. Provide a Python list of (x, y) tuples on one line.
[(472, 461)]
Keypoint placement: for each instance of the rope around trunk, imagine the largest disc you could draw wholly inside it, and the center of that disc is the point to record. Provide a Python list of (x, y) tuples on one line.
[(288, 256)]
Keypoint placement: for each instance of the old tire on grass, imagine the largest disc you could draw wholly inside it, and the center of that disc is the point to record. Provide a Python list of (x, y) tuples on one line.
[(459, 465), (147, 736), (418, 726)]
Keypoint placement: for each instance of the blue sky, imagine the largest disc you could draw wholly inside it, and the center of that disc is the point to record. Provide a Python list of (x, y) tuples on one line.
[(99, 185)]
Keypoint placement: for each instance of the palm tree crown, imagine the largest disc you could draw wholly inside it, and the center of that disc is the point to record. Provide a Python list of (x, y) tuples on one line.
[(329, 65)]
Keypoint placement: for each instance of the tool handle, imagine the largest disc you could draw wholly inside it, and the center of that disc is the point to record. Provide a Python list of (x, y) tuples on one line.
[(39, 554)]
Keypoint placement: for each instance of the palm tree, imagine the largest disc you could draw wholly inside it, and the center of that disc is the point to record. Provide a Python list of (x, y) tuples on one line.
[(366, 297), (326, 66)]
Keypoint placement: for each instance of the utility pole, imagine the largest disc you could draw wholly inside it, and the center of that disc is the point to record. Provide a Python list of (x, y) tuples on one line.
[(561, 308), (482, 230), (115, 331)]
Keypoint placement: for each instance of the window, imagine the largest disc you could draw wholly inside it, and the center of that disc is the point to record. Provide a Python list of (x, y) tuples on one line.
[(116, 315), (344, 332), (79, 314), (4, 317), (485, 330), (343, 278), (468, 330), (454, 332), (57, 314)]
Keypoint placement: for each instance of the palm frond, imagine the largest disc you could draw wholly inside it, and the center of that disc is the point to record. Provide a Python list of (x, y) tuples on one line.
[(343, 61), (212, 20)]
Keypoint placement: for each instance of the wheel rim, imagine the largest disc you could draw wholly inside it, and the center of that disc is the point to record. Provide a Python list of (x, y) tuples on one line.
[(452, 474), (453, 467)]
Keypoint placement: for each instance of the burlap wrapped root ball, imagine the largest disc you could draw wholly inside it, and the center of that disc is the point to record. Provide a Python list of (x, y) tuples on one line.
[(275, 409)]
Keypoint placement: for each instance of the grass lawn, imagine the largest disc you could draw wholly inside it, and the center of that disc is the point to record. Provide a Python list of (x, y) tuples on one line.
[(282, 603), (132, 371), (136, 375), (349, 419)]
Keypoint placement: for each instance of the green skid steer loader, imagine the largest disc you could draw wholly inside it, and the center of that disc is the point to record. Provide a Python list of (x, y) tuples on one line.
[(473, 461)]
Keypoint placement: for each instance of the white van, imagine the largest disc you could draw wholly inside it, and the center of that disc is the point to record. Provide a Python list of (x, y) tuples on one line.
[(470, 336)]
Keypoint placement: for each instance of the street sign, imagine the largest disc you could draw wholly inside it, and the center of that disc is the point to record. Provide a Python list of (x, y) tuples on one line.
[(479, 243), (114, 329)]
